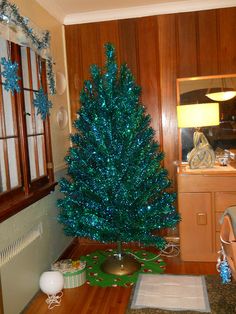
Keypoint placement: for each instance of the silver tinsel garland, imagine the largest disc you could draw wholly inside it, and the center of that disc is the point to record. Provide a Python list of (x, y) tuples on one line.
[(9, 14)]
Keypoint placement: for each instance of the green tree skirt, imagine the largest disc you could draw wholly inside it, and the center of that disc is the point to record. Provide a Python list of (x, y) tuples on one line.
[(96, 277)]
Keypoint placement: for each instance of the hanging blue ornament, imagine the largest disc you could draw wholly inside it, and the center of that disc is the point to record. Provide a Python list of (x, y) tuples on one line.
[(42, 103), (223, 267), (10, 74), (225, 272)]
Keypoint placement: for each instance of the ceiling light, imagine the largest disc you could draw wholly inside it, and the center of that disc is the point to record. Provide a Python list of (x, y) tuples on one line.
[(221, 96)]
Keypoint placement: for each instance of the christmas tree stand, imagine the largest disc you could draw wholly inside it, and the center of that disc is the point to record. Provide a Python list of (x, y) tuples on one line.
[(120, 263)]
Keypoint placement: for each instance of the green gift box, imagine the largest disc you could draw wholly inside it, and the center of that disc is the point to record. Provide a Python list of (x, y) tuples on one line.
[(75, 278)]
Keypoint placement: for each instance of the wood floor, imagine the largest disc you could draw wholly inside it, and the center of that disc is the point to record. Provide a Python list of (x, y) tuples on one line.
[(97, 300)]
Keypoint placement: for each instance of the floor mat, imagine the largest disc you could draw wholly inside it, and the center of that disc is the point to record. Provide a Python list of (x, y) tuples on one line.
[(171, 292)]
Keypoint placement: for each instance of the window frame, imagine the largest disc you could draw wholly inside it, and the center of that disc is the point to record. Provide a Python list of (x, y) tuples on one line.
[(30, 191)]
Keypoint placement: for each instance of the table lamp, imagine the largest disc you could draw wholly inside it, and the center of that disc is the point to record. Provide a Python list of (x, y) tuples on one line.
[(196, 116), (52, 283)]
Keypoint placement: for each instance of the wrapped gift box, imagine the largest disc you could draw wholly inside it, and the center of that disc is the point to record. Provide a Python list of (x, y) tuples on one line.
[(74, 272)]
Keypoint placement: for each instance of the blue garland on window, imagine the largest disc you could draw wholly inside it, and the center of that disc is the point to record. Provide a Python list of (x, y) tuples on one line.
[(11, 82), (42, 103), (9, 14)]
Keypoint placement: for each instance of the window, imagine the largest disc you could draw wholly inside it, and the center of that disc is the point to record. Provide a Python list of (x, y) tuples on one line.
[(26, 169)]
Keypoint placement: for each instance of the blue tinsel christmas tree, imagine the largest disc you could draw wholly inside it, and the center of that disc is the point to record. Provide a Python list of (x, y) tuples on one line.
[(116, 190)]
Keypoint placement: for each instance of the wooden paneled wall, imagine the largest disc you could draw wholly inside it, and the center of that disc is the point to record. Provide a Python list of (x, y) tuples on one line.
[(158, 49)]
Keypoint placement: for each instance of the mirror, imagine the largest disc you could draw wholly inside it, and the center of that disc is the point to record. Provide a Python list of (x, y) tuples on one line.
[(193, 91)]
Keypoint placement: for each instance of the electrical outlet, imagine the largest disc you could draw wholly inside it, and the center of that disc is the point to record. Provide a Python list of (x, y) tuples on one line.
[(172, 239)]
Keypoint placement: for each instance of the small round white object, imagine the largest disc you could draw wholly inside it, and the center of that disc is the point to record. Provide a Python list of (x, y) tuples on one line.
[(60, 83), (51, 282), (62, 117)]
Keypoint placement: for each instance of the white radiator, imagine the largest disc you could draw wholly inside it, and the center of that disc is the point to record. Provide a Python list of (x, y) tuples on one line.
[(19, 262), (17, 246)]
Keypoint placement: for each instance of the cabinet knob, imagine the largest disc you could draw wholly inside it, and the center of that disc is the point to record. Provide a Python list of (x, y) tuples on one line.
[(201, 218)]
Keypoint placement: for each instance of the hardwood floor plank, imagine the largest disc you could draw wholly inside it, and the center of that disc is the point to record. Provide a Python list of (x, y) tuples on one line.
[(111, 300)]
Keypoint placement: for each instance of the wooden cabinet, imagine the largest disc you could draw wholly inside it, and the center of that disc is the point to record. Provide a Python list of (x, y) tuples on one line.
[(203, 196)]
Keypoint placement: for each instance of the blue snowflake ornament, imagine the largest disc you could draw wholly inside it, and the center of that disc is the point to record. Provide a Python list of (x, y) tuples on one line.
[(42, 103), (225, 272), (222, 267), (10, 74)]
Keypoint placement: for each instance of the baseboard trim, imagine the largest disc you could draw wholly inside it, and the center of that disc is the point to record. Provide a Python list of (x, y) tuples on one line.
[(86, 241), (68, 252)]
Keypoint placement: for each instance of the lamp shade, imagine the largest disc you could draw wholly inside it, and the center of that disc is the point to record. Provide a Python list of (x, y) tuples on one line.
[(51, 282), (221, 96), (198, 115)]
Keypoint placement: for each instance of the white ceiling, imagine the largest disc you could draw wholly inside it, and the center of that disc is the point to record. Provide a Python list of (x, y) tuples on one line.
[(84, 11)]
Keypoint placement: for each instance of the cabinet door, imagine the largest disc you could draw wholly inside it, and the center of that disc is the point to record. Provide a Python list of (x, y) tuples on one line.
[(196, 227), (223, 200)]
